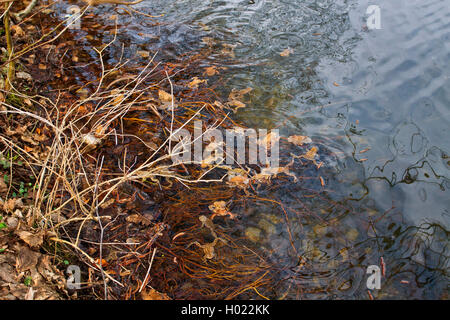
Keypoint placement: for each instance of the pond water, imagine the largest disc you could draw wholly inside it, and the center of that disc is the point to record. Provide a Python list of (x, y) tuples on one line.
[(376, 103)]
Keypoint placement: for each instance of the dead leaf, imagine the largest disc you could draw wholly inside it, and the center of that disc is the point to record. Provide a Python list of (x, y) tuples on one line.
[(104, 262), (237, 104), (154, 295), (164, 96), (235, 96), (286, 52), (19, 130), (238, 181), (270, 138), (26, 259), (311, 154), (27, 148), (28, 102), (3, 186), (238, 94), (219, 209), (143, 54), (196, 82), (210, 71), (267, 173), (299, 140), (9, 205), (228, 50), (27, 138), (24, 76), (34, 240), (208, 41), (18, 31), (138, 219)]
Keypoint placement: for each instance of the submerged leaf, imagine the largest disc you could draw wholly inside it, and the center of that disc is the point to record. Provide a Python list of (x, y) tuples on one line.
[(299, 140)]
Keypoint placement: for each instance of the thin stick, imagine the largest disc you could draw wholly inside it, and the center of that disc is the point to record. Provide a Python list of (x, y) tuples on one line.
[(25, 11), (148, 271)]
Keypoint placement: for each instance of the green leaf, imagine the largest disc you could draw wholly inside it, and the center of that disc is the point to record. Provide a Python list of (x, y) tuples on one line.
[(27, 281)]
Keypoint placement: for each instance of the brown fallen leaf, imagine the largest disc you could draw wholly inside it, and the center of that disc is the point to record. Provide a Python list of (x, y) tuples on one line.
[(238, 94), (237, 104), (104, 262), (208, 41), (238, 181), (138, 219), (235, 97), (219, 209), (267, 173), (26, 258), (19, 130), (208, 248), (3, 186), (299, 140), (270, 138), (9, 205), (143, 54), (34, 240), (154, 295), (335, 84), (196, 82), (228, 50), (164, 96), (210, 71), (286, 52), (18, 31)]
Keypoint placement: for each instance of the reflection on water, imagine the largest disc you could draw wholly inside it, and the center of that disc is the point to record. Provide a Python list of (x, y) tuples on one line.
[(376, 103)]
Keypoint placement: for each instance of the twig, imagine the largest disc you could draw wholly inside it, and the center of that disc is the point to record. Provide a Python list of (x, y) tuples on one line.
[(101, 228), (19, 16), (148, 271), (9, 45)]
